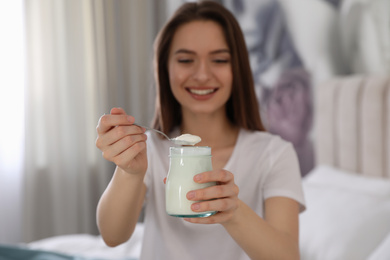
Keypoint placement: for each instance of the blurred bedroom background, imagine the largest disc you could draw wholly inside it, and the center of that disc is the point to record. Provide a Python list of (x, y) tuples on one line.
[(65, 63)]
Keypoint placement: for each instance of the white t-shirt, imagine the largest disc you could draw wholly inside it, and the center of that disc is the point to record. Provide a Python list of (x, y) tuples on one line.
[(263, 165)]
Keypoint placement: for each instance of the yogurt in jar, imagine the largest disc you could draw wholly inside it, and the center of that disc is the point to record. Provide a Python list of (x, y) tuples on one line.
[(185, 163)]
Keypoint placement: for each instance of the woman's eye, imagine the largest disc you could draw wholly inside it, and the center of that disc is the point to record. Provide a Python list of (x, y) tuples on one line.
[(221, 60), (185, 60)]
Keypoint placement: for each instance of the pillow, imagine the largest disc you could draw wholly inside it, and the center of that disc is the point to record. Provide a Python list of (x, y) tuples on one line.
[(325, 175), (347, 215), (382, 251)]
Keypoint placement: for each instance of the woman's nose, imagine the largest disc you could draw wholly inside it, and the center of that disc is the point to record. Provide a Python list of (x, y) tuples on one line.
[(202, 72)]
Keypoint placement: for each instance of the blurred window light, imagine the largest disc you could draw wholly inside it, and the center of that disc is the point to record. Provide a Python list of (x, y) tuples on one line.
[(12, 84)]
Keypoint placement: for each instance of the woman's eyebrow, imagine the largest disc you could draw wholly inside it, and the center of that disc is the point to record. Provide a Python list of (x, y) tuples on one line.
[(184, 51), (220, 51), (192, 52)]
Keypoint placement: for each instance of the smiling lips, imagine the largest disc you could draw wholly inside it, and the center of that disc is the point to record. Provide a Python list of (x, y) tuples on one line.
[(201, 93)]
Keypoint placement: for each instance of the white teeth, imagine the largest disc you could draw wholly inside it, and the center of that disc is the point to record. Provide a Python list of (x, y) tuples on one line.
[(201, 91)]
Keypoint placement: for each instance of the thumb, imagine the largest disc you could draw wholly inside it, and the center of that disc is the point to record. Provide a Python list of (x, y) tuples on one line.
[(117, 111)]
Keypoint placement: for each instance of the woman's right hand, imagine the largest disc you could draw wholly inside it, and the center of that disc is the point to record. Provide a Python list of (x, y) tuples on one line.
[(122, 142)]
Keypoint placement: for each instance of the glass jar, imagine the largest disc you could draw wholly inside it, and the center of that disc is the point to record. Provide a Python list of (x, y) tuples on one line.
[(184, 163)]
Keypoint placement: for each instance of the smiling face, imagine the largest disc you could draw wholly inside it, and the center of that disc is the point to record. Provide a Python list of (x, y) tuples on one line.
[(199, 66)]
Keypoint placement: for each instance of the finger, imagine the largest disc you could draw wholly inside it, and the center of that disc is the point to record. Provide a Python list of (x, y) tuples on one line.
[(213, 192), (107, 122), (127, 156), (117, 111), (122, 145), (103, 141), (221, 175), (122, 131), (224, 204)]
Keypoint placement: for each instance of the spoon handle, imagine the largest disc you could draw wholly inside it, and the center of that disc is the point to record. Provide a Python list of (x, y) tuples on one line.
[(155, 130)]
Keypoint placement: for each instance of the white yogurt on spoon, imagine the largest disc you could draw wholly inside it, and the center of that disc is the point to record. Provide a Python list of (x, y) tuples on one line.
[(186, 139)]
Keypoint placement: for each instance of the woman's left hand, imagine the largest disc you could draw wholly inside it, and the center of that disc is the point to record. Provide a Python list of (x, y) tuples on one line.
[(222, 197)]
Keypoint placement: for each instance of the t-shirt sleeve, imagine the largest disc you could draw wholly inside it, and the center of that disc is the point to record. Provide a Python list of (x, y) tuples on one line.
[(284, 178)]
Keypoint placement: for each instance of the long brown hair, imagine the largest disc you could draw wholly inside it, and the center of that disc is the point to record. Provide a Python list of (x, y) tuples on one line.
[(242, 108)]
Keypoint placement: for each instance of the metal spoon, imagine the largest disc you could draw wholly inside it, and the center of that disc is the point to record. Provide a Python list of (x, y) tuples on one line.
[(173, 140)]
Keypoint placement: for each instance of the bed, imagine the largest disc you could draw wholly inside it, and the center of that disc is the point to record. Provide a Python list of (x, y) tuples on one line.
[(75, 247), (347, 193)]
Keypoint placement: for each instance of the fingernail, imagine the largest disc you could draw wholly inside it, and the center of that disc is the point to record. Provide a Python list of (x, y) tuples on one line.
[(130, 118), (197, 177), (195, 206), (191, 195)]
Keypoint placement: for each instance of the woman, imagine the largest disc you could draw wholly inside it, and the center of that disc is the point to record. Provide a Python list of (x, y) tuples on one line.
[(204, 87)]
